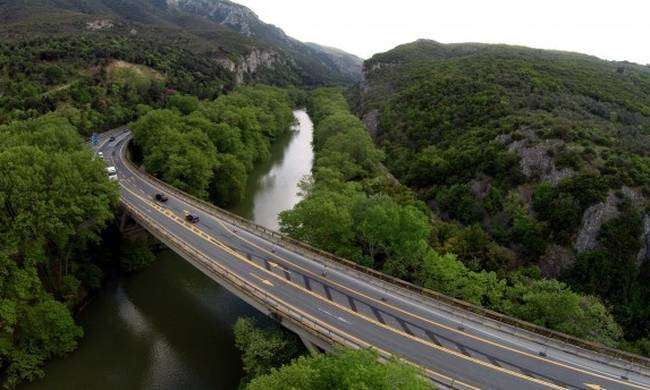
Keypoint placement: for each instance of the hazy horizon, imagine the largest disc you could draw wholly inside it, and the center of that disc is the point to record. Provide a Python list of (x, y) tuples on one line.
[(606, 29)]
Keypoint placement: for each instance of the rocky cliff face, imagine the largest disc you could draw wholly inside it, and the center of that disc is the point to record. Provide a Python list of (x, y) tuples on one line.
[(544, 153), (333, 64), (235, 16), (247, 67), (644, 253)]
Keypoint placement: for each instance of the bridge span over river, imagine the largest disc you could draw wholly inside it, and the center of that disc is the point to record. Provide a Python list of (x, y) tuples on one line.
[(330, 302)]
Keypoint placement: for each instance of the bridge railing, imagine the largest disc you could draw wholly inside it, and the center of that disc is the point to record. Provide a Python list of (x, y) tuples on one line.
[(306, 249), (304, 321)]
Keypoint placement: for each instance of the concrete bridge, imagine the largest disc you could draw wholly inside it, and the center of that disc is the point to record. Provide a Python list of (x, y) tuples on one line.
[(331, 302)]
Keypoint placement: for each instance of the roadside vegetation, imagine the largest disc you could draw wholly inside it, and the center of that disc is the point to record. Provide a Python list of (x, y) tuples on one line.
[(275, 358), (354, 210), (55, 204), (528, 159)]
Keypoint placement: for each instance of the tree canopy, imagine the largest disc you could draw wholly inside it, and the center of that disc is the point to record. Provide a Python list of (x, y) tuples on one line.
[(209, 148), (368, 218), (55, 200)]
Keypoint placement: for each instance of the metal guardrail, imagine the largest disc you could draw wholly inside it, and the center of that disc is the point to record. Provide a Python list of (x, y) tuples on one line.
[(306, 249), (316, 328)]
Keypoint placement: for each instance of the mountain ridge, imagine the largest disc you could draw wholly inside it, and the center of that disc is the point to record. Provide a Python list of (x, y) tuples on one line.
[(533, 162), (228, 31)]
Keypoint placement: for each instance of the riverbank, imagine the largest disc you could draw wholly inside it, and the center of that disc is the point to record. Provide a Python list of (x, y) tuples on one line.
[(169, 326)]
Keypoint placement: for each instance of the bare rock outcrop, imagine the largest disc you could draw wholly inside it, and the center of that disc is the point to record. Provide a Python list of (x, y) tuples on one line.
[(593, 218), (99, 24), (537, 160), (371, 120), (598, 214), (644, 253), (250, 64)]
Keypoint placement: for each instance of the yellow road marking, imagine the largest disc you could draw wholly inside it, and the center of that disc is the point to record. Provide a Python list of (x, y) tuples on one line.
[(478, 338), (358, 341), (377, 323), (276, 265), (426, 320), (594, 386), (265, 281)]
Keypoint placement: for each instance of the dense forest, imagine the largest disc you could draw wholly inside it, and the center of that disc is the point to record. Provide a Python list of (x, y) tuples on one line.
[(515, 179), (208, 148), (529, 159), (55, 202), (224, 35), (355, 210), (99, 82)]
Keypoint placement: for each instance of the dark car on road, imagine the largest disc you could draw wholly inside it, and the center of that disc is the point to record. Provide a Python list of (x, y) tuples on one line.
[(111, 139), (192, 218), (161, 197)]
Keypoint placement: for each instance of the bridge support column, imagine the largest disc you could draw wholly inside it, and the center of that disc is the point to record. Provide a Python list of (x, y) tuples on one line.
[(123, 220), (129, 227), (311, 347)]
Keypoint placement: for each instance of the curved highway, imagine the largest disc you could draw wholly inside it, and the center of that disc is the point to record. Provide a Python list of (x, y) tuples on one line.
[(454, 352)]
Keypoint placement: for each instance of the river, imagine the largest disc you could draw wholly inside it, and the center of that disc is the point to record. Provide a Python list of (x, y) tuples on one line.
[(169, 326)]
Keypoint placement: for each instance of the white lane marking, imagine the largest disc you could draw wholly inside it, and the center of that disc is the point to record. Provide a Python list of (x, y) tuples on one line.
[(333, 316)]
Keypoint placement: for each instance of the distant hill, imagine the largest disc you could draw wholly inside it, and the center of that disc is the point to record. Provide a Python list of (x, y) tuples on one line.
[(528, 158), (347, 63), (230, 35)]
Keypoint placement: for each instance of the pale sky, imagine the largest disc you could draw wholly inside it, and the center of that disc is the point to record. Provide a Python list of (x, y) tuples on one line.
[(612, 29)]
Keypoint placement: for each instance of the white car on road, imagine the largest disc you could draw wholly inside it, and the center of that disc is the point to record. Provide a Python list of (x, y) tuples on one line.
[(112, 173)]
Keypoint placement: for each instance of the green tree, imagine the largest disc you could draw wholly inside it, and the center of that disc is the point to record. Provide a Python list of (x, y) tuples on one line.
[(135, 256), (186, 104), (325, 221), (55, 199), (264, 349), (345, 369), (229, 180)]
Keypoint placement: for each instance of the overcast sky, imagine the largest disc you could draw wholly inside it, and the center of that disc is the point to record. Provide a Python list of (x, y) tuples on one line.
[(612, 29)]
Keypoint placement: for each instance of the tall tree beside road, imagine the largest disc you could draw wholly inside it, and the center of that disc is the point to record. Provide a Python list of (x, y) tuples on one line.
[(55, 199)]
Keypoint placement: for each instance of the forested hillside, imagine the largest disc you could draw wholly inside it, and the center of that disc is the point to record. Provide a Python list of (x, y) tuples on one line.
[(353, 209), (82, 78), (527, 158), (226, 35), (98, 60)]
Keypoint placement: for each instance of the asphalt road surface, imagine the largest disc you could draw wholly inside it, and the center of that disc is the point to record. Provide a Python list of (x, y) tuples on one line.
[(388, 320)]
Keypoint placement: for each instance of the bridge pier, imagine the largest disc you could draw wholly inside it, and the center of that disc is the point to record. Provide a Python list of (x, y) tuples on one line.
[(311, 347), (129, 227)]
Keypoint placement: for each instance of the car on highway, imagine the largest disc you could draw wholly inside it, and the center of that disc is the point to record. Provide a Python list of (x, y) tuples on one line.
[(112, 173), (111, 139), (161, 197), (192, 218)]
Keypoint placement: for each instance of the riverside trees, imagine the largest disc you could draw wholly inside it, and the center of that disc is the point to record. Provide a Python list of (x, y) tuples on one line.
[(345, 369), (54, 201), (353, 210), (209, 148)]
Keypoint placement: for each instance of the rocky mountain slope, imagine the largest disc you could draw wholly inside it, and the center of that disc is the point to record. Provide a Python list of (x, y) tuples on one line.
[(528, 158), (231, 35), (247, 23)]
